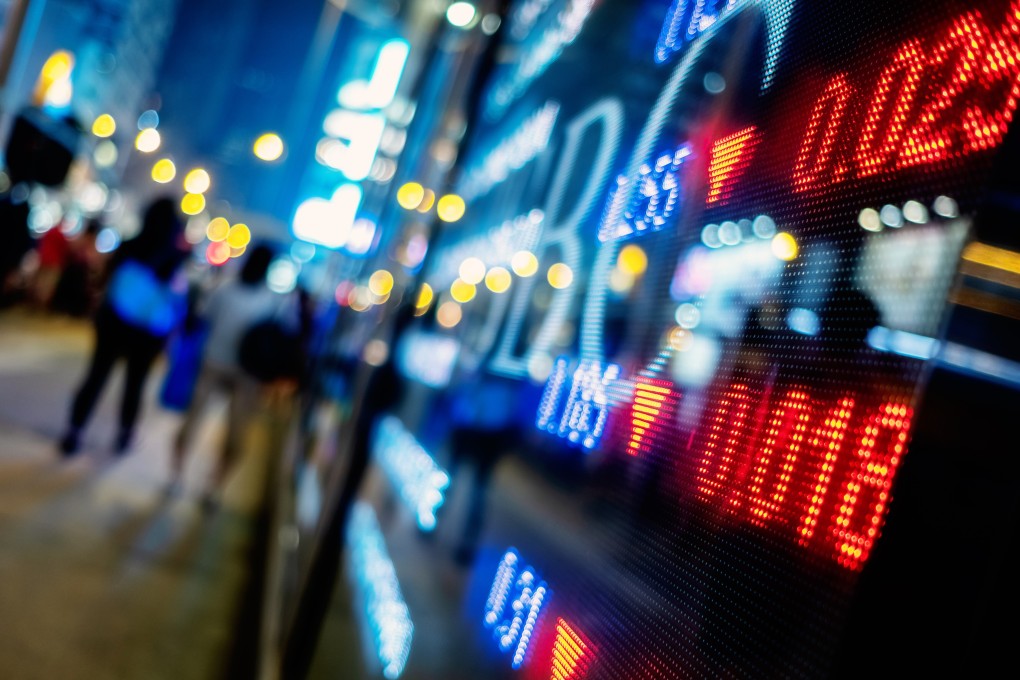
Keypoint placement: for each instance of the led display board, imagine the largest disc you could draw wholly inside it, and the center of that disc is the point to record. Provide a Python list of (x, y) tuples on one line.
[(734, 231)]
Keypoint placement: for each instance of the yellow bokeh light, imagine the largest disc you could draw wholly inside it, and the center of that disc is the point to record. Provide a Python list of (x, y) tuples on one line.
[(192, 204), (104, 125), (784, 246), (217, 229), (57, 66), (381, 282), (148, 140), (237, 252), (449, 314), (472, 270), (268, 147), (462, 291), (632, 260), (450, 208), (197, 181), (425, 296), (427, 201), (54, 83), (410, 195), (239, 235), (524, 263), (498, 280), (164, 171), (559, 275)]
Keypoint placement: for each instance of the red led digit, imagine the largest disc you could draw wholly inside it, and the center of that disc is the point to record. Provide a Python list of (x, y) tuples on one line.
[(954, 64), (814, 160), (727, 445), (1000, 62), (730, 157), (653, 405), (823, 450), (864, 494), (891, 104), (572, 653), (776, 462)]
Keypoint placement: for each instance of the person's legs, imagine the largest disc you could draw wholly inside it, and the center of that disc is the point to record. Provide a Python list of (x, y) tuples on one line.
[(104, 354), (204, 387), (141, 355), (243, 406)]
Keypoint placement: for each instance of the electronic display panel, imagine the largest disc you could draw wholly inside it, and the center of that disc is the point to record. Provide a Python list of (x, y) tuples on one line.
[(668, 367)]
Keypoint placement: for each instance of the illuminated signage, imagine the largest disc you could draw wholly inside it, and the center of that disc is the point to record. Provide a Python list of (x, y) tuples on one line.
[(733, 227), (420, 482), (389, 626), (514, 607)]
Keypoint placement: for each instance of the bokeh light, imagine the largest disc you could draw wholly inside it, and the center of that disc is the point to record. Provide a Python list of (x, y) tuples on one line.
[(105, 154), (461, 14), (410, 195), (148, 119), (524, 263), (560, 275), (217, 253), (449, 314), (217, 229), (472, 270), (239, 236), (462, 291), (192, 204), (450, 208), (104, 125), (148, 140), (164, 171), (498, 280), (268, 147), (197, 181), (427, 201), (425, 296), (632, 260), (784, 246), (380, 283)]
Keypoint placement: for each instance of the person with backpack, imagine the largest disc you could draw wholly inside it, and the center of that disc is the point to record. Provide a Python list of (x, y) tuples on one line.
[(144, 301), (249, 345)]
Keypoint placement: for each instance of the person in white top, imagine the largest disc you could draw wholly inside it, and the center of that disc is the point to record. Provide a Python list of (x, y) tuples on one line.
[(231, 309)]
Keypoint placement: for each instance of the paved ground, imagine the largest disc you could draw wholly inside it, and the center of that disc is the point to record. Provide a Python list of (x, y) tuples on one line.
[(103, 575)]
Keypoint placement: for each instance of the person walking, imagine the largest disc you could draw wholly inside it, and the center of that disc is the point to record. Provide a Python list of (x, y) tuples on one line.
[(231, 309), (143, 302)]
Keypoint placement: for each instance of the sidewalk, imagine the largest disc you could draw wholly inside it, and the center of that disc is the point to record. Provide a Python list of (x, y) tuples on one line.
[(103, 576)]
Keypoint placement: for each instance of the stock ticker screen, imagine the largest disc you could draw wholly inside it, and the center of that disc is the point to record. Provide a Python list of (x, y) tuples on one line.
[(680, 339)]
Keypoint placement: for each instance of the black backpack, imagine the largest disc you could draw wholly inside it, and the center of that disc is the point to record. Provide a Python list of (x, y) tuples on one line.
[(269, 351)]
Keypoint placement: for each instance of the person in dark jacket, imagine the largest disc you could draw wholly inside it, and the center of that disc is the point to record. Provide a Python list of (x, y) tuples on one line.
[(144, 300)]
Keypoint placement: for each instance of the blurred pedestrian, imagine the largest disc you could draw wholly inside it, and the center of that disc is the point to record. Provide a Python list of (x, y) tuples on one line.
[(76, 291), (143, 303), (231, 310), (53, 251)]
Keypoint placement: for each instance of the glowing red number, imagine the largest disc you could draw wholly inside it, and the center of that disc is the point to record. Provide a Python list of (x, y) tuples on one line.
[(865, 492), (814, 158), (953, 67), (728, 441), (824, 446), (775, 464), (883, 128), (1001, 62), (909, 123)]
